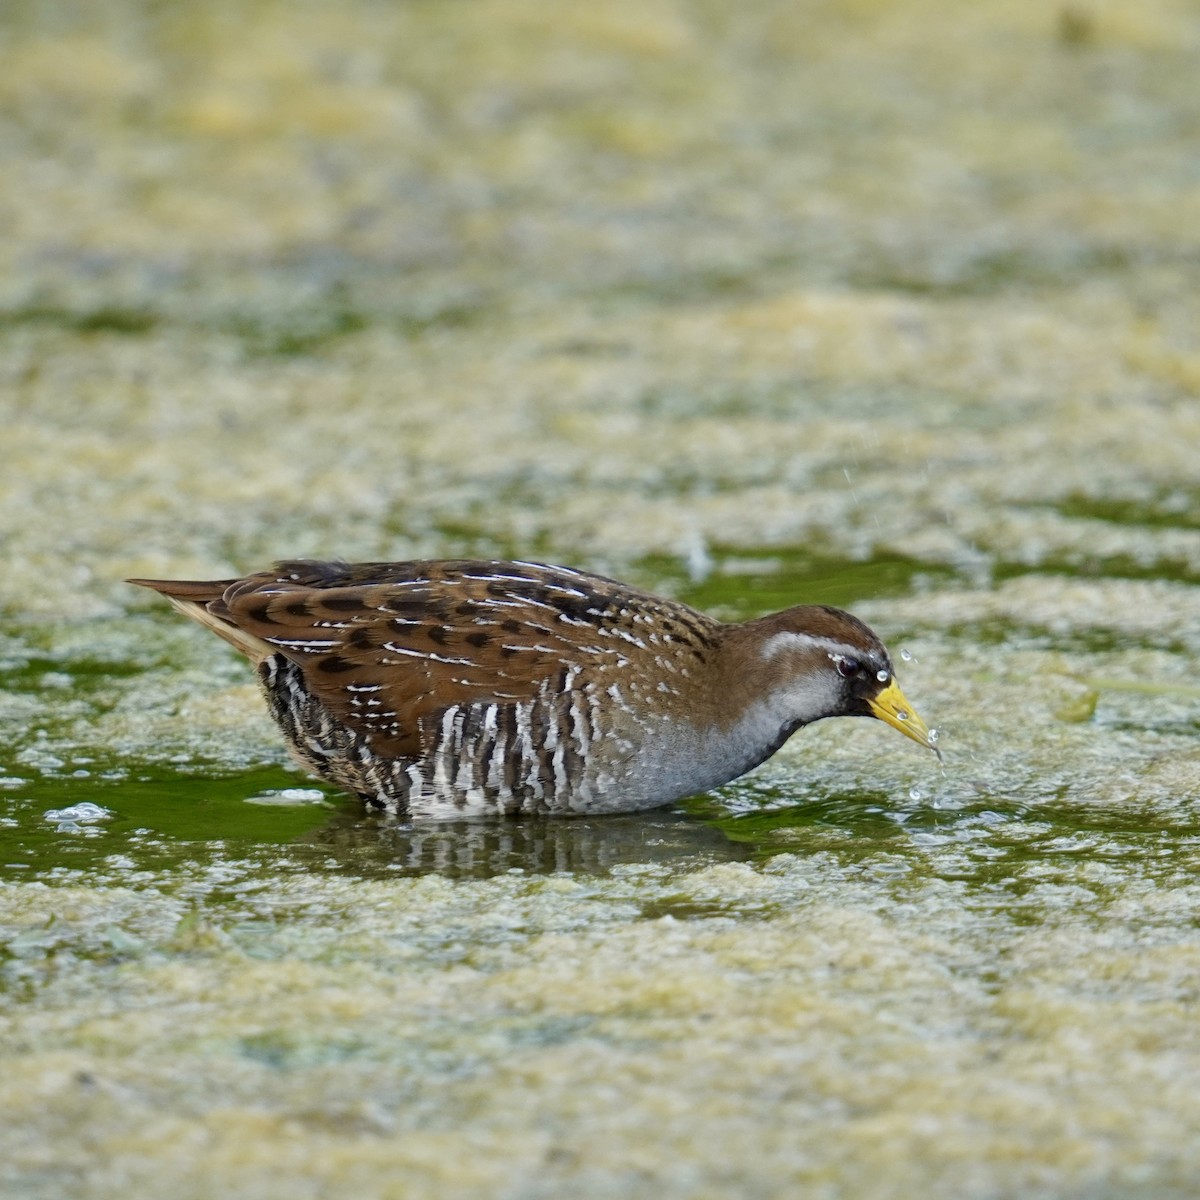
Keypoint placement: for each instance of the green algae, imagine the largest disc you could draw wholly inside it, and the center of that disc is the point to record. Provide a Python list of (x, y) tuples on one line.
[(741, 582), (1177, 509), (883, 306), (101, 826), (149, 821), (104, 319)]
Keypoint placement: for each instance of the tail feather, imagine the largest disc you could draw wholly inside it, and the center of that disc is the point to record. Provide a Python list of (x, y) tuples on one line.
[(187, 589), (202, 602)]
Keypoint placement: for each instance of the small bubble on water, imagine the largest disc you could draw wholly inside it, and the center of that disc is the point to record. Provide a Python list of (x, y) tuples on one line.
[(81, 813), (288, 796), (914, 794)]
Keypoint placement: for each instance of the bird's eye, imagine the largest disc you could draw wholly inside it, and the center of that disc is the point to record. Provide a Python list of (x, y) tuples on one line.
[(848, 667)]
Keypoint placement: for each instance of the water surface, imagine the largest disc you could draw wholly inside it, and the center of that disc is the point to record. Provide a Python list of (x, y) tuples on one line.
[(861, 304)]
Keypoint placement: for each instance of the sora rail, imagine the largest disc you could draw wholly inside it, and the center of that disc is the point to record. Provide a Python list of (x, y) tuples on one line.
[(463, 688)]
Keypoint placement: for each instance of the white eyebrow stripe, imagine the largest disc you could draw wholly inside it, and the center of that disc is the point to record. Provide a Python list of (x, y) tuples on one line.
[(779, 642)]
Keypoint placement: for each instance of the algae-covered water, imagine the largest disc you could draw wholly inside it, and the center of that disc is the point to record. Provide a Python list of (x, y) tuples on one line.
[(887, 305)]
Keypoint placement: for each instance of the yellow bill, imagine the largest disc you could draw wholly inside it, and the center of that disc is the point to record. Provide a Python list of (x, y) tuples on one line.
[(891, 706)]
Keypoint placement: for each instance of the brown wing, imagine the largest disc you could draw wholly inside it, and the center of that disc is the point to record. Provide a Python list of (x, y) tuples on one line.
[(389, 647)]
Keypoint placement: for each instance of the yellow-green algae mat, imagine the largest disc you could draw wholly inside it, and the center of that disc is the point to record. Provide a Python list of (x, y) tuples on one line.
[(883, 304)]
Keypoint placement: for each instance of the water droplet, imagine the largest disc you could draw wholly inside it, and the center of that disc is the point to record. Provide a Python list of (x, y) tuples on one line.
[(882, 676), (933, 737), (914, 794), (907, 656), (901, 715)]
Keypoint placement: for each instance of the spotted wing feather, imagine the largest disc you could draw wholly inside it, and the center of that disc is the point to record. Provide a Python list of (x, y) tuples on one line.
[(388, 648)]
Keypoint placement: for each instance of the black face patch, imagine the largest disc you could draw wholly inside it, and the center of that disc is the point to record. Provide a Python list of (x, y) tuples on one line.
[(864, 686)]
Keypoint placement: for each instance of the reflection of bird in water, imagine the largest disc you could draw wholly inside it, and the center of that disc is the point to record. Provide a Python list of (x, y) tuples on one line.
[(481, 849), (452, 689)]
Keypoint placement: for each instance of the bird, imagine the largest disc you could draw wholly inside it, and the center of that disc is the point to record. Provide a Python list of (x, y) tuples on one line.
[(448, 689)]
